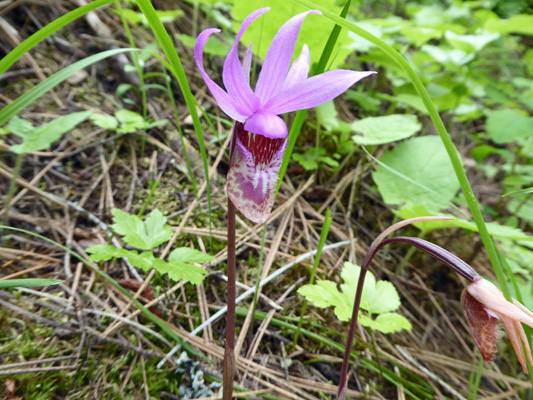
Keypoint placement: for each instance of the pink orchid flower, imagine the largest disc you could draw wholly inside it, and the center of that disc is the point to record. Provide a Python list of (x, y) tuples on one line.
[(260, 135), (483, 305)]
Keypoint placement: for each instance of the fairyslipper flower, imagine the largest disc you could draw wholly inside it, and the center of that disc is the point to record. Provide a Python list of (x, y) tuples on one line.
[(484, 304), (260, 135)]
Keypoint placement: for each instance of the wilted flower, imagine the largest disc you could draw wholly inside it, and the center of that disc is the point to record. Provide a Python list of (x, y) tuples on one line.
[(260, 135), (484, 304)]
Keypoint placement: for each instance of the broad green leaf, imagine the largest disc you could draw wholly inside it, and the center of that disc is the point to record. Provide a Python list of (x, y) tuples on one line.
[(20, 127), (386, 323), (387, 129), (426, 175), (10, 283), (42, 137), (470, 43), (105, 252), (130, 121), (506, 126), (522, 24), (314, 30), (494, 228), (104, 121), (419, 36), (137, 234), (451, 57)]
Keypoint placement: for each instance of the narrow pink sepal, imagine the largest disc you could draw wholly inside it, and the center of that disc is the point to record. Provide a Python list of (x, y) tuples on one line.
[(247, 64), (493, 299), (278, 58), (314, 91), (299, 70), (233, 75), (221, 97)]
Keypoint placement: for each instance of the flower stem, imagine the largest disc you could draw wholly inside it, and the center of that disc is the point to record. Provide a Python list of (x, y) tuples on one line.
[(228, 372), (374, 247)]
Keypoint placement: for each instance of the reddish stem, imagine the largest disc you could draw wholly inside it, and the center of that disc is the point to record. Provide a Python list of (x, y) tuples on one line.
[(433, 250), (228, 372)]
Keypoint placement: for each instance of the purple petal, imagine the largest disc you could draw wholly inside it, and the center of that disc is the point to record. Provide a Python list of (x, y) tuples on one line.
[(247, 64), (299, 70), (314, 91), (266, 124), (223, 99), (233, 75), (278, 58), (253, 173)]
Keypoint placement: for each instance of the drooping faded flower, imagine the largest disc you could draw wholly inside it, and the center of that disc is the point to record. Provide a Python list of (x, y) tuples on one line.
[(484, 304), (260, 135)]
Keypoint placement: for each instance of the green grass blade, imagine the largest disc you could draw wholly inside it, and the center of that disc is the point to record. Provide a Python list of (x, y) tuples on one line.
[(10, 283), (37, 91), (177, 70), (441, 129), (49, 29), (300, 115), (152, 317), (321, 242)]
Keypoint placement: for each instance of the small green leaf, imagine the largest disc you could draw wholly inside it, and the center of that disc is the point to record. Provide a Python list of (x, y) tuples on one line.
[(470, 43), (386, 323), (308, 164), (327, 116), (130, 121), (387, 129), (143, 261), (325, 294), (179, 266), (143, 236), (10, 283), (104, 121), (157, 230), (377, 298), (40, 138), (186, 254), (105, 252)]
